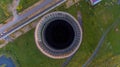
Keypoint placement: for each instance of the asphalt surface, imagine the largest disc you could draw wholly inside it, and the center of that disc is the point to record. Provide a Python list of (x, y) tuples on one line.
[(27, 14)]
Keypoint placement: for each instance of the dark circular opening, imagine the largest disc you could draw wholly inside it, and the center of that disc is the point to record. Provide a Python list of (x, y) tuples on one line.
[(59, 34)]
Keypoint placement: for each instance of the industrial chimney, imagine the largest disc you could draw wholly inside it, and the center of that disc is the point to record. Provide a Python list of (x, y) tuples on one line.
[(58, 35)]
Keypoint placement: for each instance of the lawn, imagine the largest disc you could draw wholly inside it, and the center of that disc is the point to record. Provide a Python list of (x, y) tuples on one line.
[(95, 21), (109, 54)]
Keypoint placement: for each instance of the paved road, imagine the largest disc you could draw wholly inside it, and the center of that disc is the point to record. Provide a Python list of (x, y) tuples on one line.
[(27, 14), (100, 43)]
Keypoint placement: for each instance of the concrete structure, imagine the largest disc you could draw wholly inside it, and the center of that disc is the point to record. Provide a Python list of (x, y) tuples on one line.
[(58, 35)]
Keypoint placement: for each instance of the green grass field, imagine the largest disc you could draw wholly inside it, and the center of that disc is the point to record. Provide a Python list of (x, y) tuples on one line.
[(108, 56), (95, 21)]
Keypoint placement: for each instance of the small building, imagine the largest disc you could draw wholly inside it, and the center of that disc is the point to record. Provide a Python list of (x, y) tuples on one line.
[(94, 2)]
